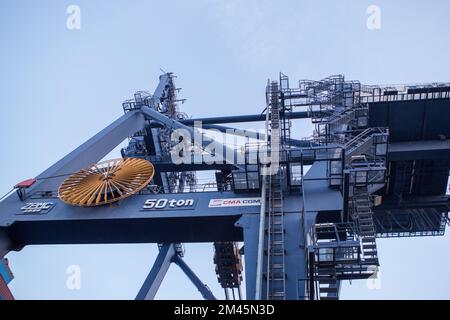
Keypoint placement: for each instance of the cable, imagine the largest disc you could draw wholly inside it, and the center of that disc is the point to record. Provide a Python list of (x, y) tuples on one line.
[(37, 179), (56, 176), (7, 194)]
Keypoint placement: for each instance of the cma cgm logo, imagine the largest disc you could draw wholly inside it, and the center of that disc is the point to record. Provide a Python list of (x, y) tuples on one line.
[(236, 202), (166, 204)]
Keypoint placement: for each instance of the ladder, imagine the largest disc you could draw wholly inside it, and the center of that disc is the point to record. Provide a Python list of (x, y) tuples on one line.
[(286, 105), (275, 275), (286, 126)]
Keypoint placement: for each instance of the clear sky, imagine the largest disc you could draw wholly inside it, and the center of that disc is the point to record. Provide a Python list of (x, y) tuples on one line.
[(58, 87)]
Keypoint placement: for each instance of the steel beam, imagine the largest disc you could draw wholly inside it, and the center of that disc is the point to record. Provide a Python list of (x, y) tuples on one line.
[(247, 118), (177, 125), (419, 150), (416, 202), (204, 290), (168, 166), (157, 273), (235, 131), (261, 240), (124, 222), (164, 120), (90, 152), (163, 82), (250, 226), (258, 135)]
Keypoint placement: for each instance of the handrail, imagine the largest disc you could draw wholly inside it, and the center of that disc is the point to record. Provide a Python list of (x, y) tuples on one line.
[(380, 97)]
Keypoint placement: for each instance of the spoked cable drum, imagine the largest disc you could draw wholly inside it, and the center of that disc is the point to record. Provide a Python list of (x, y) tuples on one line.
[(106, 182)]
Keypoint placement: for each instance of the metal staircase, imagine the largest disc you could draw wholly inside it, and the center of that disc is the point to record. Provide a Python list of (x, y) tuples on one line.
[(347, 250), (360, 144), (364, 142), (335, 247), (336, 121), (329, 285), (327, 127), (342, 253), (363, 217)]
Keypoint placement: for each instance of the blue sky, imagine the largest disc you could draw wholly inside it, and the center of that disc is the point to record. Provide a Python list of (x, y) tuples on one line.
[(59, 87)]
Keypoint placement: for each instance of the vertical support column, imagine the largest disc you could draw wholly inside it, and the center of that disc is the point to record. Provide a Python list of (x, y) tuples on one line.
[(157, 273), (250, 225), (311, 276), (261, 241), (5, 273), (5, 293), (346, 195), (5, 242), (5, 277), (295, 258)]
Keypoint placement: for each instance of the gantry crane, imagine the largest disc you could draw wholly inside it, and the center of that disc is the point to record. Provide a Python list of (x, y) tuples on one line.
[(303, 214)]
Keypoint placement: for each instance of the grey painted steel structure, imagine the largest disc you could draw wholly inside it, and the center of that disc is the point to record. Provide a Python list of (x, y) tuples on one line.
[(128, 222), (167, 255)]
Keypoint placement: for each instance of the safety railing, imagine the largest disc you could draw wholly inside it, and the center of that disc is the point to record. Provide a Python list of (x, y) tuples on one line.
[(381, 97), (335, 243)]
